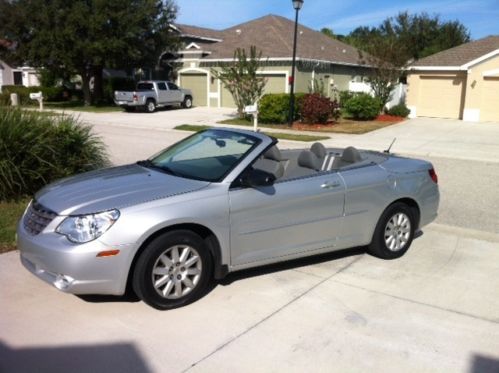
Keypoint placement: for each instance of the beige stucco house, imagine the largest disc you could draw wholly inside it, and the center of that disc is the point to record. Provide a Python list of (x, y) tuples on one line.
[(459, 83), (319, 57)]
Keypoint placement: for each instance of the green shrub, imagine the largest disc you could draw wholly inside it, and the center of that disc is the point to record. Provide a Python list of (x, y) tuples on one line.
[(274, 107), (345, 96), (315, 108), (363, 106), (399, 110), (49, 94), (36, 149)]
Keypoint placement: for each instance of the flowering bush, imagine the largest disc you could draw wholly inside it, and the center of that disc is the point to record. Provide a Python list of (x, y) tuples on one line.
[(315, 108)]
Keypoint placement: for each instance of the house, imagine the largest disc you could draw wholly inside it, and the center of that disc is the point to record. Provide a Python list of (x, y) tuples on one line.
[(458, 83), (10, 75), (319, 57)]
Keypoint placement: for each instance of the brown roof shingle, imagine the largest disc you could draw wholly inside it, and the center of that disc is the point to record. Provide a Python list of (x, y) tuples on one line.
[(461, 54), (273, 35), (199, 31)]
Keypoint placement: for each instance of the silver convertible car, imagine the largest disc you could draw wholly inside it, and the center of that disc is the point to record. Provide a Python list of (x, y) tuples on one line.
[(219, 201)]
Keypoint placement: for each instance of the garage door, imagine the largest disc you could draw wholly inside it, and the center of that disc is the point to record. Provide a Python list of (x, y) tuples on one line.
[(489, 107), (197, 83), (440, 97), (276, 83)]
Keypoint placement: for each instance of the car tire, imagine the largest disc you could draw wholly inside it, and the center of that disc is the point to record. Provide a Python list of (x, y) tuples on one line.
[(394, 232), (174, 270), (150, 106), (187, 104)]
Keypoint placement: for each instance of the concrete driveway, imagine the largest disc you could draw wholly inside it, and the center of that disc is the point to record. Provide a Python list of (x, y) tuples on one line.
[(436, 309)]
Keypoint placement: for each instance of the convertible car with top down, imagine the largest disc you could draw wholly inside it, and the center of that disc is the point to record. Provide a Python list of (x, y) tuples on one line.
[(220, 201)]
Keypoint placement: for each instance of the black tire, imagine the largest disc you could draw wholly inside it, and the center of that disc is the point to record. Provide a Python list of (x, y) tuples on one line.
[(187, 104), (150, 106), (149, 260), (401, 234)]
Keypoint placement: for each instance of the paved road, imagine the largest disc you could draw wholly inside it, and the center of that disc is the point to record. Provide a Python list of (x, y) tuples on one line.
[(436, 309)]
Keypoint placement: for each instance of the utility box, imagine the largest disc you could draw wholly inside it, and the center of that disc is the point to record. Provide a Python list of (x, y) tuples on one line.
[(14, 99)]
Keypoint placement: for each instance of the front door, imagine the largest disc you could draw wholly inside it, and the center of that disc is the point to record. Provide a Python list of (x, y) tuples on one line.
[(288, 218)]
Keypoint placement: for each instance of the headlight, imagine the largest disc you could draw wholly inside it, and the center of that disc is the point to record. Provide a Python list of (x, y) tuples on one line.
[(85, 228)]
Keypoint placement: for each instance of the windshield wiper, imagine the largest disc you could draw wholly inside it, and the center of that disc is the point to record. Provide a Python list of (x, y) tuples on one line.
[(150, 164)]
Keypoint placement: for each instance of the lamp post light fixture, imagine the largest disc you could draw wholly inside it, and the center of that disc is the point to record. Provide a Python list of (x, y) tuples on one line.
[(297, 4)]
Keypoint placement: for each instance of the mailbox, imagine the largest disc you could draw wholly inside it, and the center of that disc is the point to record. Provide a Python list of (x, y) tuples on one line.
[(36, 96), (251, 109)]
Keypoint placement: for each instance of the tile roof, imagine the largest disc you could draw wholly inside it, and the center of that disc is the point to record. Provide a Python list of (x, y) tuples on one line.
[(273, 35), (461, 54)]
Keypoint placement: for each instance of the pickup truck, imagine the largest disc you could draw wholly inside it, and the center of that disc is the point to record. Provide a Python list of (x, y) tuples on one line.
[(152, 94)]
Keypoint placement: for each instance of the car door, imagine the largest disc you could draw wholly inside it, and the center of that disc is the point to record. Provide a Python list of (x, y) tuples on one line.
[(286, 219), (163, 95), (175, 92)]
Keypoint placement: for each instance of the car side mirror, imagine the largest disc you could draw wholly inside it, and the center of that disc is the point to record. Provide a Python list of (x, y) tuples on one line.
[(257, 178)]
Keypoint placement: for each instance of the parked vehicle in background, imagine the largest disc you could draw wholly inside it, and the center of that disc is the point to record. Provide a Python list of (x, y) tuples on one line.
[(151, 94), (220, 201)]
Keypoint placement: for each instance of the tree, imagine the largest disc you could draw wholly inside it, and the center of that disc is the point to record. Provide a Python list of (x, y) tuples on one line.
[(240, 78), (399, 40), (84, 36), (417, 35)]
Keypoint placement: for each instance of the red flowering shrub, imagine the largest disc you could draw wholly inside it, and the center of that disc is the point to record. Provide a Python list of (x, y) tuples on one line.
[(315, 108)]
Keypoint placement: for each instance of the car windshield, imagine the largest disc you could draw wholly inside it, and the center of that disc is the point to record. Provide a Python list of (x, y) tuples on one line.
[(208, 155)]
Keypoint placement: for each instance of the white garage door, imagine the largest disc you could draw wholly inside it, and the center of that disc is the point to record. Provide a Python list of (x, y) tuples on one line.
[(440, 97), (489, 106)]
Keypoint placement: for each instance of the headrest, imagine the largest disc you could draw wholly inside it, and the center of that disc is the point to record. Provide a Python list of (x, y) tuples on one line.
[(273, 153), (309, 160), (351, 155), (319, 150), (272, 167)]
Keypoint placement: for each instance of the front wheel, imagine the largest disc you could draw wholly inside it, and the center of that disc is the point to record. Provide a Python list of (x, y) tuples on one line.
[(173, 270), (394, 232), (187, 102)]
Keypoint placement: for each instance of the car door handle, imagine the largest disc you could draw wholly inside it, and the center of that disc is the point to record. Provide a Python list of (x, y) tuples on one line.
[(330, 184)]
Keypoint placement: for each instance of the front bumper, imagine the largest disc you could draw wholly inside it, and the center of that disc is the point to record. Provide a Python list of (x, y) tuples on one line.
[(74, 268)]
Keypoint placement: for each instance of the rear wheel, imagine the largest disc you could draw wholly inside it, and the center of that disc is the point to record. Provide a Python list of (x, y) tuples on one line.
[(394, 232), (150, 106), (173, 270), (187, 102)]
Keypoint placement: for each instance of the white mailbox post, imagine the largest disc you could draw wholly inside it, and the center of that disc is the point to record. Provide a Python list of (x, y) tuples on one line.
[(38, 96), (253, 110)]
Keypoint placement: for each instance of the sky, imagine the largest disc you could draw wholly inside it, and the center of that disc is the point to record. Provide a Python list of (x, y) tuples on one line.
[(481, 17)]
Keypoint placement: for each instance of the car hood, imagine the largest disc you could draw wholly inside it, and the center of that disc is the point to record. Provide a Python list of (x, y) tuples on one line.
[(112, 188)]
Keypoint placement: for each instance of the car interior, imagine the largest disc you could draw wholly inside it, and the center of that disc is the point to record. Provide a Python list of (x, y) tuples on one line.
[(291, 164)]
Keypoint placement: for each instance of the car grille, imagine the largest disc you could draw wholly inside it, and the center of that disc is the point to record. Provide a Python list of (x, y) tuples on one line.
[(37, 218)]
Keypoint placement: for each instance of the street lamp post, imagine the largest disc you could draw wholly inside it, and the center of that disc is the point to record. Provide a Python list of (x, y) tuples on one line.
[(297, 4)]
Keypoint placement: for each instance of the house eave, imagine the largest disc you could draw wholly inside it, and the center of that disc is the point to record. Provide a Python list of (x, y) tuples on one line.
[(200, 37), (279, 59), (437, 68)]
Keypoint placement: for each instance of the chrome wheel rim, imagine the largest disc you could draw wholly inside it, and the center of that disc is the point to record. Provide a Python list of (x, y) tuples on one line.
[(188, 103), (177, 271), (150, 106), (397, 232)]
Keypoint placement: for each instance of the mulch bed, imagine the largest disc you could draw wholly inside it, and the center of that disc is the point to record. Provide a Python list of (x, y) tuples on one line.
[(389, 118), (330, 124)]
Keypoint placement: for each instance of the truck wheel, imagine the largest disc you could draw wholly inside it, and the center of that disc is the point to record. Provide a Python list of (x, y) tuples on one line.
[(174, 270), (187, 102), (150, 106)]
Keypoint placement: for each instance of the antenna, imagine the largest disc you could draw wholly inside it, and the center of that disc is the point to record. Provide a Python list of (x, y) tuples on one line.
[(388, 150)]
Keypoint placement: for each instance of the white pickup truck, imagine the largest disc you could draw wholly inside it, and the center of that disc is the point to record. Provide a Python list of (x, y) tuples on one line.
[(151, 94)]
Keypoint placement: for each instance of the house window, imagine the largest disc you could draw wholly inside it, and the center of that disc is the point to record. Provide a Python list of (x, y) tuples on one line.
[(18, 78)]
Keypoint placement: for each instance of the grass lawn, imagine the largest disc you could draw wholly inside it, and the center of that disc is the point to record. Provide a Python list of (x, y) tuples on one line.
[(10, 212), (343, 126), (79, 106), (279, 135)]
